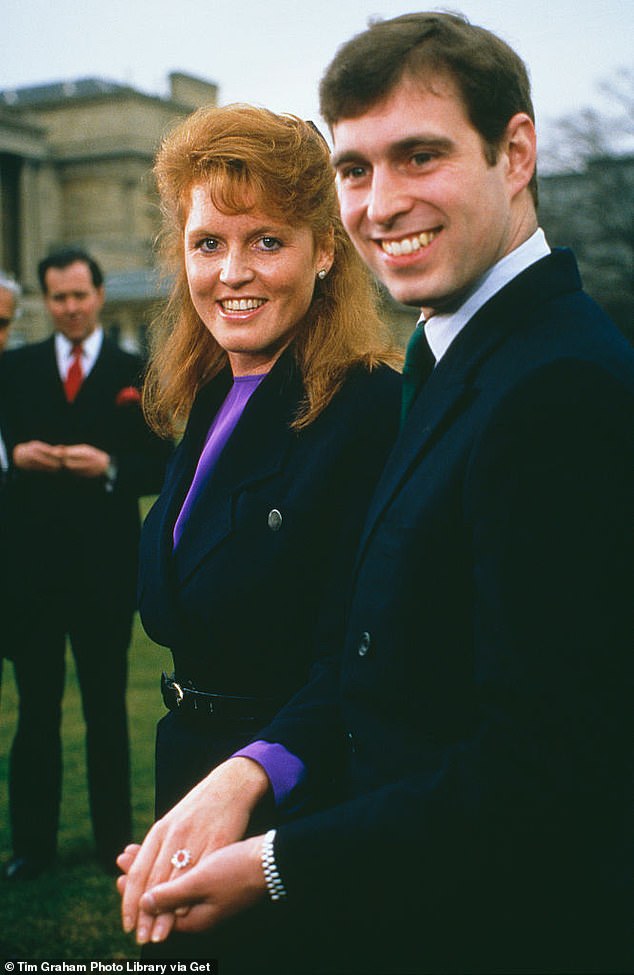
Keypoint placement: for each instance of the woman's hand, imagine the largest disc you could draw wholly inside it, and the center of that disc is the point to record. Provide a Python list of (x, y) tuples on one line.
[(213, 815)]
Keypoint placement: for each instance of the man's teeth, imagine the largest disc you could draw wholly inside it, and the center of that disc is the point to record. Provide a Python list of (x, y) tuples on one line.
[(409, 244), (242, 304)]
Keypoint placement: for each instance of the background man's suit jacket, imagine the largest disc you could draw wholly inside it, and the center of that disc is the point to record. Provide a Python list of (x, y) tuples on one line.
[(56, 521), (485, 695)]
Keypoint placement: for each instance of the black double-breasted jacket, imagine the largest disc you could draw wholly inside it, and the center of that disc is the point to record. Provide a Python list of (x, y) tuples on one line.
[(257, 576)]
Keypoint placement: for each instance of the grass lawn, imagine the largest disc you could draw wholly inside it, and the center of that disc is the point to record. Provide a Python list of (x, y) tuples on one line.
[(72, 911)]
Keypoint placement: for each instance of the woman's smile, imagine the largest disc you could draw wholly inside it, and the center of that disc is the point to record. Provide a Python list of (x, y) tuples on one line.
[(249, 269)]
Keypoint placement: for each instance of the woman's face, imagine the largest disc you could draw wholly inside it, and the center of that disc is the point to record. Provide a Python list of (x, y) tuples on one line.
[(251, 278)]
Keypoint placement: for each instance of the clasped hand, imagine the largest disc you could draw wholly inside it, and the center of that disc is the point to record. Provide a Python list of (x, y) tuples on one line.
[(225, 875), (83, 459)]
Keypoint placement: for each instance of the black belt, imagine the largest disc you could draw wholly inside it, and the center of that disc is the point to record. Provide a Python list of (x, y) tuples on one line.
[(183, 696)]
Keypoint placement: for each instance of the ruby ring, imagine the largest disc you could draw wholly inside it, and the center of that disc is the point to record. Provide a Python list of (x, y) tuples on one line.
[(182, 858)]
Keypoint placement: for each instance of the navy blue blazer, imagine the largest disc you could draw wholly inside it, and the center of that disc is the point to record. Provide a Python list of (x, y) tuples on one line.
[(484, 702), (239, 600)]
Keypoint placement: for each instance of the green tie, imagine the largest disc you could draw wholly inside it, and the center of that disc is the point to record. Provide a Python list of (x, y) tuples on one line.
[(419, 362)]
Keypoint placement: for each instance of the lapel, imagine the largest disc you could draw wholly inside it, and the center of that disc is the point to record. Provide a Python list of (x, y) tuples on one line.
[(157, 561), (97, 386), (48, 385), (157, 544), (255, 452), (184, 461), (453, 384)]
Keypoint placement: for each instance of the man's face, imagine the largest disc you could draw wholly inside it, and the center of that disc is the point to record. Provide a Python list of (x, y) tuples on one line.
[(72, 300), (424, 208), (7, 311)]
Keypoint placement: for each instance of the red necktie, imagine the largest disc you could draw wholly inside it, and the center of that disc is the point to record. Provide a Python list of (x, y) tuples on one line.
[(74, 376)]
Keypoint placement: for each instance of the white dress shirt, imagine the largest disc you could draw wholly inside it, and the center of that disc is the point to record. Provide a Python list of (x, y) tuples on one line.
[(441, 330), (4, 460), (90, 349)]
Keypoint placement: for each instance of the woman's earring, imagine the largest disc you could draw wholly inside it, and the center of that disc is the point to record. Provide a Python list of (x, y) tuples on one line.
[(322, 274)]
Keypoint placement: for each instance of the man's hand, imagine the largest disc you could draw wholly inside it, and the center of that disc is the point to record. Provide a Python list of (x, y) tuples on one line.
[(36, 455), (85, 461), (81, 459), (214, 814), (220, 885)]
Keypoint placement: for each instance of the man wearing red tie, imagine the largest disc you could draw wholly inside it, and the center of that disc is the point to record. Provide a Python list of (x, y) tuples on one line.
[(82, 455)]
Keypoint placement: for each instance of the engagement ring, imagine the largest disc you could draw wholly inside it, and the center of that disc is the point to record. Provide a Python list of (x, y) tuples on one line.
[(182, 858)]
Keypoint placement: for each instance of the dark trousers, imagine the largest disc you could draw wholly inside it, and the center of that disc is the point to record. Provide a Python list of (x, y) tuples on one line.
[(99, 646)]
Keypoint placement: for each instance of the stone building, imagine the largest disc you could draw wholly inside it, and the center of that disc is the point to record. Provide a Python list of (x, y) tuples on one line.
[(75, 161)]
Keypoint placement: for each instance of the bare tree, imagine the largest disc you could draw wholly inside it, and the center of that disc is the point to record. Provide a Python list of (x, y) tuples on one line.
[(587, 195)]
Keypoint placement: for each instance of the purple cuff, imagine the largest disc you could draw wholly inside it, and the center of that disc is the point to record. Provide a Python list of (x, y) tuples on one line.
[(285, 770)]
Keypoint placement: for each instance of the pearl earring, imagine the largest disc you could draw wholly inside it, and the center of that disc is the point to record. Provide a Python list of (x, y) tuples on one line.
[(322, 274)]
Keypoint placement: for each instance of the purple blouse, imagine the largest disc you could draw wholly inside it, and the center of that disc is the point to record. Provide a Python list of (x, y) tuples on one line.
[(284, 770), (223, 425)]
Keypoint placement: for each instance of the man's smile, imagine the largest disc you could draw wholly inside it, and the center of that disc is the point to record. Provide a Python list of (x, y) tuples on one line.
[(408, 245)]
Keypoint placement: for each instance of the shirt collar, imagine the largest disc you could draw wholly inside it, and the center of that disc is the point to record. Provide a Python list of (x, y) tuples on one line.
[(441, 330), (90, 349)]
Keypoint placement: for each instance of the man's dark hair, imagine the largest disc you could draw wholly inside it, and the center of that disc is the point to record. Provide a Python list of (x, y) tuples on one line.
[(61, 259), (491, 78)]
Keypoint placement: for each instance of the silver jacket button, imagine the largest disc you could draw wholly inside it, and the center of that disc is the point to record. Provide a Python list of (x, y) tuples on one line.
[(364, 644), (275, 520)]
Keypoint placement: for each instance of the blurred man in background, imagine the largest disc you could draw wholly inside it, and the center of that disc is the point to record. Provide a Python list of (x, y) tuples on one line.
[(9, 293), (81, 457)]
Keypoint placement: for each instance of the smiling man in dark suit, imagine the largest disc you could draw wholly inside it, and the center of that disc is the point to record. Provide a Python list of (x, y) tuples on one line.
[(483, 698), (81, 456)]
